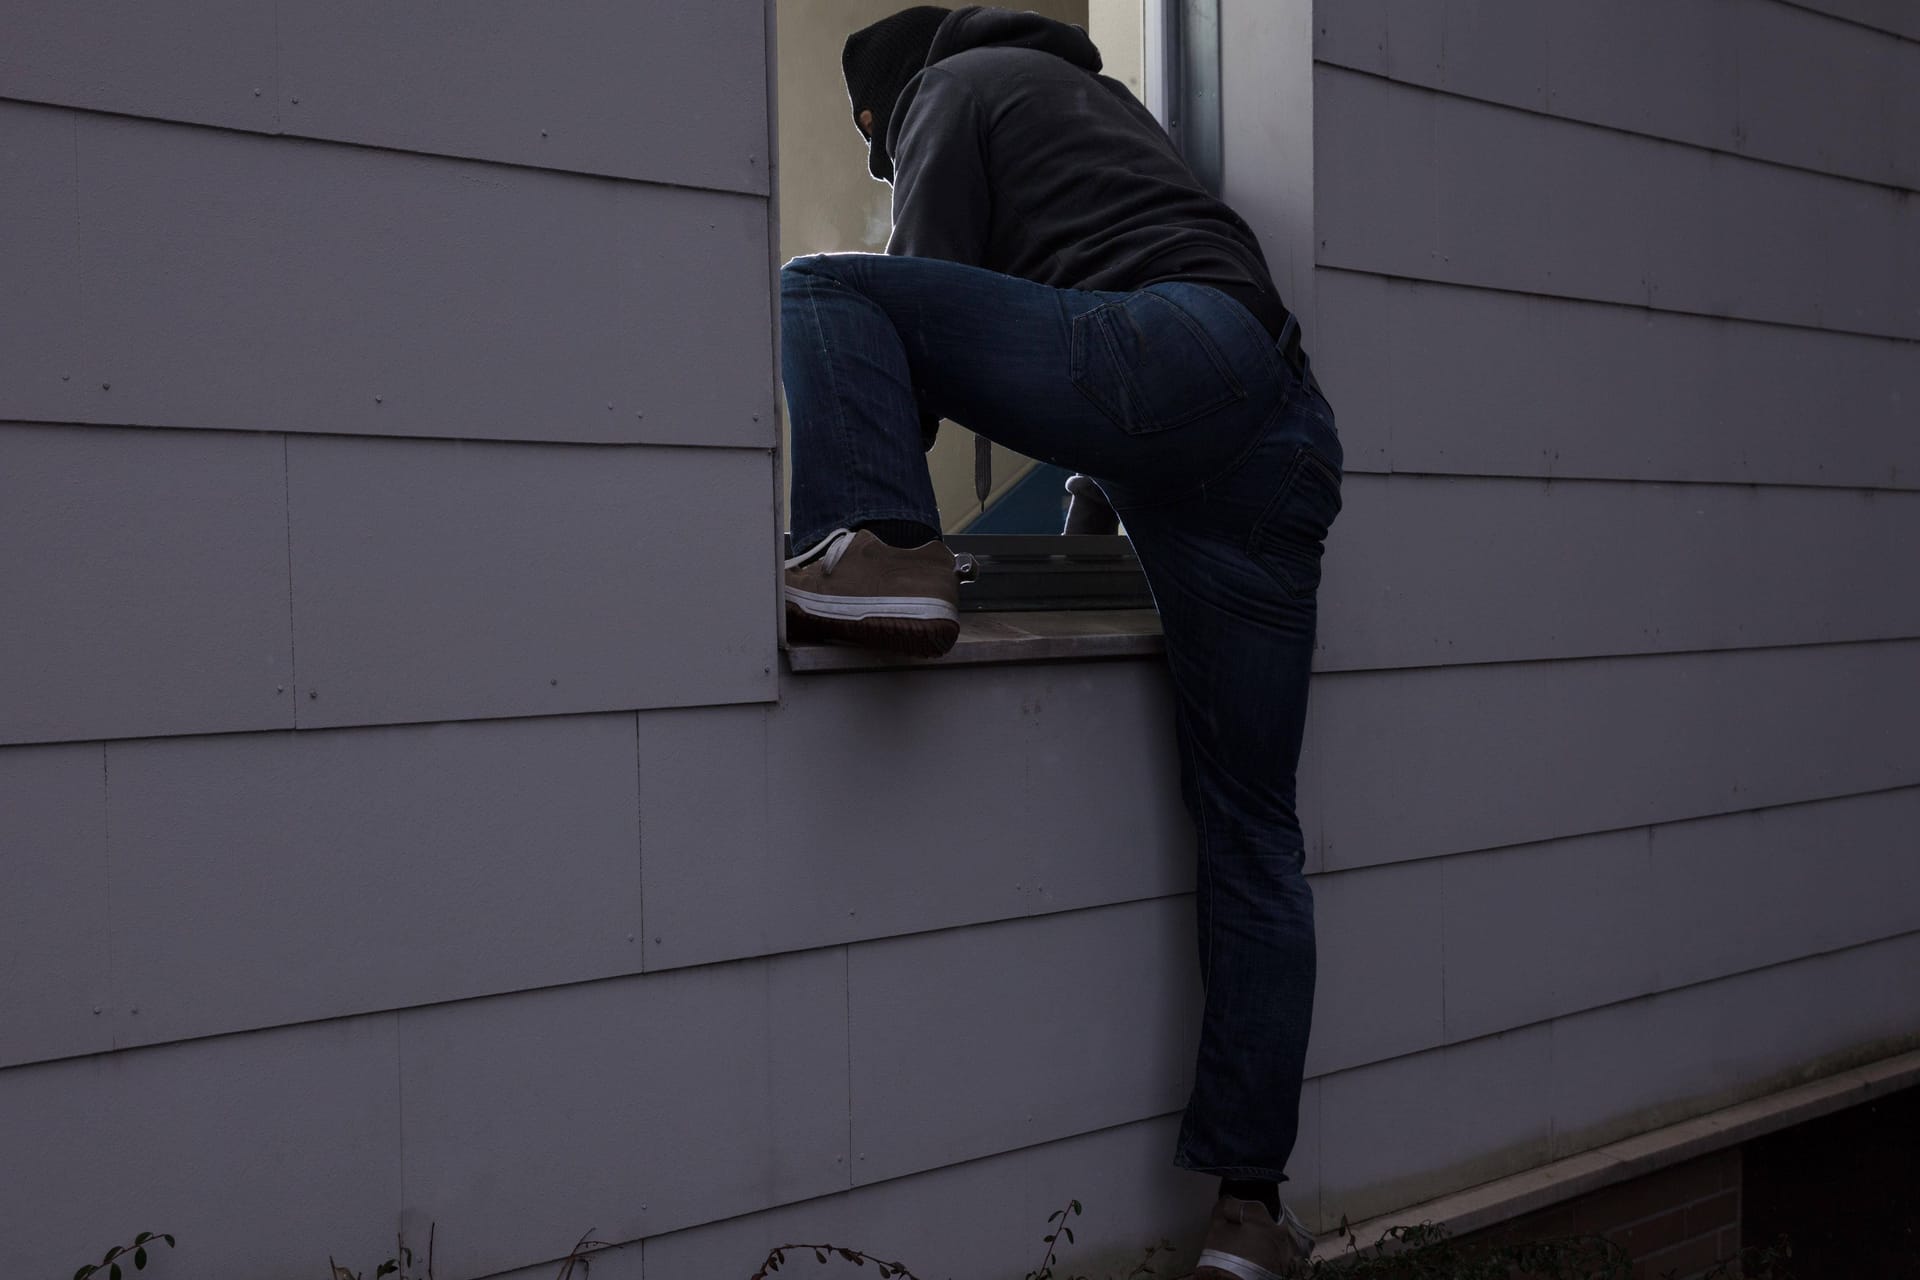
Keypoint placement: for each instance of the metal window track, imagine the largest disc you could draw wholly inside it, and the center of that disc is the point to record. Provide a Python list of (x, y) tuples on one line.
[(1051, 571)]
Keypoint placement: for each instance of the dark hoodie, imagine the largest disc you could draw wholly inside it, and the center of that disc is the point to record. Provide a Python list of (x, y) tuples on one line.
[(1011, 152)]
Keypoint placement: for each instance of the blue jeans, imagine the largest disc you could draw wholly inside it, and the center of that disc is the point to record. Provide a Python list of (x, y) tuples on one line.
[(1225, 466)]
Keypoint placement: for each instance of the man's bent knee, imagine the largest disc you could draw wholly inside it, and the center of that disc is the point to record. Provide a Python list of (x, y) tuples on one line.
[(832, 266)]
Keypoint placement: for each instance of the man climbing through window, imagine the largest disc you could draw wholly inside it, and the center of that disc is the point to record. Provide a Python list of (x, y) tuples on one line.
[(1060, 282)]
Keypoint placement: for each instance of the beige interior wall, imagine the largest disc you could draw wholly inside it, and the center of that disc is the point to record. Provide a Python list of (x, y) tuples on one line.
[(830, 204), (1119, 27)]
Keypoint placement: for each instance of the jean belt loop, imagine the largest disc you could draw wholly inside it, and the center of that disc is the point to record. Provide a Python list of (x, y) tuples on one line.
[(1288, 344)]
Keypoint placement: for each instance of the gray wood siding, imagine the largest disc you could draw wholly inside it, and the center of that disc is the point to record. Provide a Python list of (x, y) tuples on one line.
[(1609, 568), (386, 418), (1892, 16), (1756, 78), (1120, 1174), (634, 1106), (578, 85), (144, 583), (277, 1145), (1639, 895), (1025, 1031), (1425, 761), (748, 810), (181, 276), (1452, 380), (380, 868), (1616, 305), (1431, 186), (437, 580), (1410, 1127), (53, 848)]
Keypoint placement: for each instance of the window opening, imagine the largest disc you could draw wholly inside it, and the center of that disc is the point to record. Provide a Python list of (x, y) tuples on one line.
[(828, 204)]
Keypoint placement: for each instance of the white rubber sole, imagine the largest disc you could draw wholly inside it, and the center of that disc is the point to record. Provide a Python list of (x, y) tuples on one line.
[(860, 608), (1236, 1266)]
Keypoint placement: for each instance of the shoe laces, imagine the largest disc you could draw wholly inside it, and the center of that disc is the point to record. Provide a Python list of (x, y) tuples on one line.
[(831, 549)]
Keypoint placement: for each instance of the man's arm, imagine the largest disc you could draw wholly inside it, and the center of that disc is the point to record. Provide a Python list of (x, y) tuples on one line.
[(942, 204)]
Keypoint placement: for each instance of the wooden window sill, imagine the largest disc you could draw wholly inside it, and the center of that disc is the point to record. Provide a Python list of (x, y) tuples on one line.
[(1024, 636)]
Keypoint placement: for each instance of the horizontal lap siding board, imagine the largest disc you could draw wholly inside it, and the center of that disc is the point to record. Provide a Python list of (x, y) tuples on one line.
[(1409, 764), (1380, 963), (1440, 378), (1480, 1110), (439, 579), (876, 804), (1418, 184), (1786, 883), (143, 586), (974, 1041), (260, 1153), (1748, 77), (1430, 570), (1735, 1038), (366, 869), (1402, 1130), (591, 86), (1896, 16), (227, 280), (1123, 1177), (55, 974), (635, 1106)]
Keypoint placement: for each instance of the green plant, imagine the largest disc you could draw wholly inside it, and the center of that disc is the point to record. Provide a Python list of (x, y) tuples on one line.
[(138, 1250), (1420, 1251), (400, 1267), (1756, 1262), (1145, 1269), (1052, 1240), (1426, 1251)]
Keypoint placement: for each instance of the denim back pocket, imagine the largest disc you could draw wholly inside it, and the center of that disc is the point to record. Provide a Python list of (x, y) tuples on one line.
[(1149, 365), (1290, 534)]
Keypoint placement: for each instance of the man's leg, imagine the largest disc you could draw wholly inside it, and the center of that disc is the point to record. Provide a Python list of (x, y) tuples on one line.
[(1155, 390), (1235, 576)]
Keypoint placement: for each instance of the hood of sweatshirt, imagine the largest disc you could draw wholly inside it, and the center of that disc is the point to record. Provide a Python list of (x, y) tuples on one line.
[(978, 26)]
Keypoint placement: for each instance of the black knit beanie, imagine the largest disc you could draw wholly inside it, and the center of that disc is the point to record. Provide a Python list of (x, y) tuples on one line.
[(877, 63)]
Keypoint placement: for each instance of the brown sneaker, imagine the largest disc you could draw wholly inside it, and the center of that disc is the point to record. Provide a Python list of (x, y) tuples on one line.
[(1245, 1243), (856, 588)]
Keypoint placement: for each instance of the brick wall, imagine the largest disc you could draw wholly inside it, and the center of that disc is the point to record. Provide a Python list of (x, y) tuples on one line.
[(1675, 1222)]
